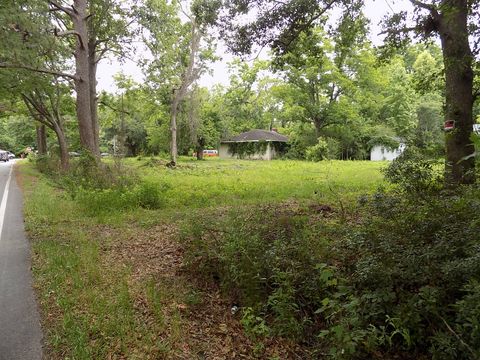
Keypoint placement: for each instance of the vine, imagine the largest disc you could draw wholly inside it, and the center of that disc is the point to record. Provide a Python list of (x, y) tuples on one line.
[(246, 149)]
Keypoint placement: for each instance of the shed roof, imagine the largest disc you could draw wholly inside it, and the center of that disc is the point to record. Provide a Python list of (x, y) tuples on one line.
[(257, 135)]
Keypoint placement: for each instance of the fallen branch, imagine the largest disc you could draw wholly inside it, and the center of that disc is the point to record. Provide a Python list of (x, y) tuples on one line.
[(474, 355)]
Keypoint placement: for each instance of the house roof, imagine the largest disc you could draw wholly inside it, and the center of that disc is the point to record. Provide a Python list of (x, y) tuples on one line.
[(257, 135)]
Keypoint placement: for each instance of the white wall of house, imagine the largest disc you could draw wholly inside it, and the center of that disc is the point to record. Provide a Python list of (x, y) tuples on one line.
[(269, 153), (381, 153), (223, 152)]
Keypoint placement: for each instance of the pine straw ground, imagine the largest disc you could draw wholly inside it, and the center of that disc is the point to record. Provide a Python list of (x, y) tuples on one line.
[(198, 320)]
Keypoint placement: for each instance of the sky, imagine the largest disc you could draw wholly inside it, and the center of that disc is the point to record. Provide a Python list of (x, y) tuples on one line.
[(374, 9)]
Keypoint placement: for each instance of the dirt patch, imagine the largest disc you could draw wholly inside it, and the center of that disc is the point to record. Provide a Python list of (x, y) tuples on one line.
[(198, 320), (150, 253)]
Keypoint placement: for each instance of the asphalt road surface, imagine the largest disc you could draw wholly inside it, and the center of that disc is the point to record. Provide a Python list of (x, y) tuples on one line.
[(20, 332)]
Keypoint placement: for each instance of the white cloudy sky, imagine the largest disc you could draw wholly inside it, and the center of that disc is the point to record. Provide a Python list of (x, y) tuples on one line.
[(375, 10)]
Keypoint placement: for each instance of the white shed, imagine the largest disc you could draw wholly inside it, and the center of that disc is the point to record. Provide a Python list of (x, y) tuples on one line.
[(381, 152)]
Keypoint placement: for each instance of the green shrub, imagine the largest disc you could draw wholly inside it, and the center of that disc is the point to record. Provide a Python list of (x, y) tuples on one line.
[(245, 149), (300, 136), (325, 149), (101, 201), (150, 194), (146, 194), (269, 263), (88, 173), (46, 164), (415, 174), (414, 260), (405, 280), (101, 188)]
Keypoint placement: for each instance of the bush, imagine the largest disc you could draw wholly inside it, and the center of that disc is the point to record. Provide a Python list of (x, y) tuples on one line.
[(416, 260), (269, 264), (150, 194), (325, 149), (296, 150), (401, 283), (101, 188), (147, 194), (48, 165), (415, 174), (101, 201)]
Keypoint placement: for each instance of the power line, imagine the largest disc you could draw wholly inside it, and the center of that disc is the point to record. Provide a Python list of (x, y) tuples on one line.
[(390, 6)]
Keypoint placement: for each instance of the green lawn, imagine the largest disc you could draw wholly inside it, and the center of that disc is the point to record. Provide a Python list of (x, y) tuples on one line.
[(216, 182)]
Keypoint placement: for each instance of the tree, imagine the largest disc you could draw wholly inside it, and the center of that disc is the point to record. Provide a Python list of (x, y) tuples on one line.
[(318, 74), (180, 49), (45, 106), (428, 74), (91, 27), (244, 103), (454, 21), (276, 24), (41, 133), (123, 117), (17, 131), (400, 99), (428, 133), (99, 27), (108, 33), (203, 123), (45, 101), (38, 63)]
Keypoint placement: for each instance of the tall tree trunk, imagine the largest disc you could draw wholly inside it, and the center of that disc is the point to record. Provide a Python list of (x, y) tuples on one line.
[(200, 147), (459, 167), (188, 77), (62, 142), (82, 83), (173, 130), (318, 123), (41, 139), (92, 63)]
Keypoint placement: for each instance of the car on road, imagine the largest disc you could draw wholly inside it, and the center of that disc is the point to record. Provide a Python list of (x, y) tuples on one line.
[(11, 155), (4, 156)]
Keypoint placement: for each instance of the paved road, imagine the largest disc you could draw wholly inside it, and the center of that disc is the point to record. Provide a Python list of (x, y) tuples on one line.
[(20, 333)]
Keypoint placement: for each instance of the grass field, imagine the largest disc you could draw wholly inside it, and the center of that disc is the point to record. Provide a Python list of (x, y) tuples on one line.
[(216, 182), (113, 287)]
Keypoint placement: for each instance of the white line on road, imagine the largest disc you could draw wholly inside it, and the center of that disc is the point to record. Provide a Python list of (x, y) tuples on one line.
[(3, 205)]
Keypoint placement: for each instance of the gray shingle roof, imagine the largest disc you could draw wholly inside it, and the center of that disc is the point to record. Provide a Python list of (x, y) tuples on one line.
[(257, 135)]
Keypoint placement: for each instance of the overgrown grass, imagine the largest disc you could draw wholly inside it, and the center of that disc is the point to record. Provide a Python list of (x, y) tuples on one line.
[(401, 282), (216, 182), (271, 261), (90, 302)]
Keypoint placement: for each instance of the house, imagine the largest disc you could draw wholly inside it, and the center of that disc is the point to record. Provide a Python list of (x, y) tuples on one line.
[(476, 129), (381, 152), (254, 144)]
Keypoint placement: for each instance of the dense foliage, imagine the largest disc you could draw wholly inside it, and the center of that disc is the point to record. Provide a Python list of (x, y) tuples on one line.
[(371, 103), (328, 87), (401, 282), (102, 189)]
